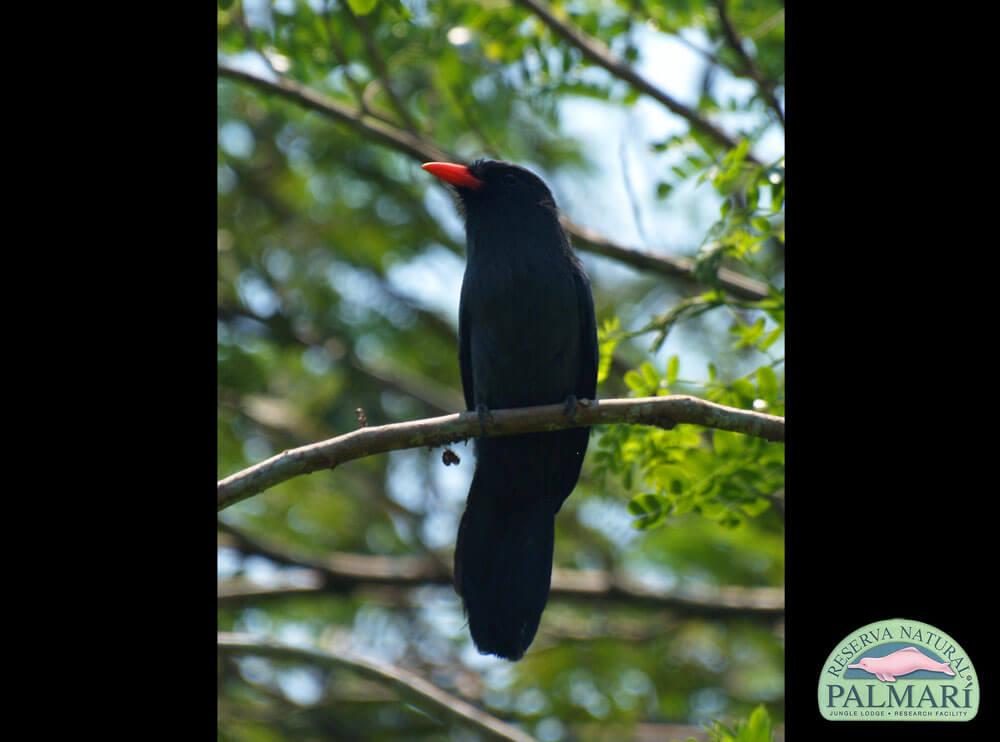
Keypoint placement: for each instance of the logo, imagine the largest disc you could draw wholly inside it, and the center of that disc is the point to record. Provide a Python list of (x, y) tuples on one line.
[(898, 670)]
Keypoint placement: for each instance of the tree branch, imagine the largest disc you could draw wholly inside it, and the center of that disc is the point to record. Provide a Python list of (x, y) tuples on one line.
[(364, 123), (340, 572), (765, 86), (345, 63), (664, 412), (408, 685), (424, 151), (381, 70), (595, 50), (666, 265)]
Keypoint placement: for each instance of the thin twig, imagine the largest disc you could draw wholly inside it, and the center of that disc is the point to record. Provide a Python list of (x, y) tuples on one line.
[(765, 86), (362, 122), (381, 70), (345, 63), (465, 109), (596, 51), (248, 39), (630, 191)]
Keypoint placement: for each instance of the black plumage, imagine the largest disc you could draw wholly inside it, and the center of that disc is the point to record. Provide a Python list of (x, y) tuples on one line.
[(527, 336)]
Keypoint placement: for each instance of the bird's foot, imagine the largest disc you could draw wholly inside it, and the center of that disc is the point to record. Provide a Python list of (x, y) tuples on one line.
[(569, 408), (485, 416)]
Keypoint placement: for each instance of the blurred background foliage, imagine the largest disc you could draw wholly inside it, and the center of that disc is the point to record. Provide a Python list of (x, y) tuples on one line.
[(339, 266)]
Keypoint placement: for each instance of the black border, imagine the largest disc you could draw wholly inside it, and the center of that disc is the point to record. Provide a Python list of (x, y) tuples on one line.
[(887, 479)]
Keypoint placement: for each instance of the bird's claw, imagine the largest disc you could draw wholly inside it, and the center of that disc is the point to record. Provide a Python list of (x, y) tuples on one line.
[(484, 415), (569, 408)]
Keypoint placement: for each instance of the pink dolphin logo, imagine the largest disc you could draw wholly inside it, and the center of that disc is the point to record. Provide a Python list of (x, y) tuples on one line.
[(900, 662)]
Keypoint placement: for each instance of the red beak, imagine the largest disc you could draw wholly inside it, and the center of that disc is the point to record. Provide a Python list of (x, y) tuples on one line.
[(457, 175)]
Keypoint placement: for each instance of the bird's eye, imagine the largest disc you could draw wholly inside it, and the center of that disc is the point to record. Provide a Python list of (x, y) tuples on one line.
[(509, 178)]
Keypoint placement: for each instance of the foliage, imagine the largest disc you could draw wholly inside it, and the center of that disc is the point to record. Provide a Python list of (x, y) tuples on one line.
[(757, 728), (339, 264), (723, 476)]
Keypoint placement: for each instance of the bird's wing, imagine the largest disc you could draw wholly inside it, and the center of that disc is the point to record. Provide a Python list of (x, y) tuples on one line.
[(586, 385), (465, 353)]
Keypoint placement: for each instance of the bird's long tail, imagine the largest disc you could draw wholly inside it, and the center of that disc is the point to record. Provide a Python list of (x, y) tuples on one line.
[(503, 556)]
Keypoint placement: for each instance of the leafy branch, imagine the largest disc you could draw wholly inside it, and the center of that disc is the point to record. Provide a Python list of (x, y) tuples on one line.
[(422, 150), (723, 477)]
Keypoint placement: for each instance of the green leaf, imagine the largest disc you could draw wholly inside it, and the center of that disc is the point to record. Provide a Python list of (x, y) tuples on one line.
[(758, 728), (633, 380), (748, 335), (744, 389), (713, 509), (673, 366), (767, 383), (607, 338), (768, 340), (362, 7), (627, 478), (649, 376), (650, 509), (755, 508)]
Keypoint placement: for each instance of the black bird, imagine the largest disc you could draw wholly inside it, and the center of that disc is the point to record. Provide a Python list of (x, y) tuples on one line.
[(527, 336)]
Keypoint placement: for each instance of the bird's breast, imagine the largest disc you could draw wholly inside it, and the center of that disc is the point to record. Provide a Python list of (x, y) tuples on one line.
[(524, 330)]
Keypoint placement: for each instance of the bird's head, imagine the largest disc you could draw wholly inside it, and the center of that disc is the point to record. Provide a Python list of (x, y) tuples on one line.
[(495, 185)]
